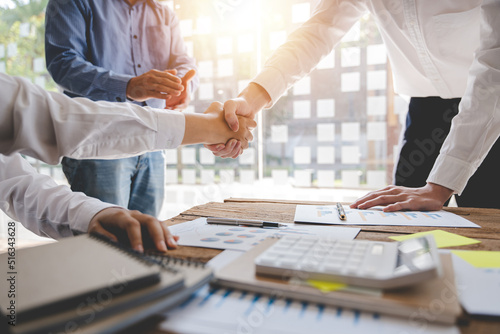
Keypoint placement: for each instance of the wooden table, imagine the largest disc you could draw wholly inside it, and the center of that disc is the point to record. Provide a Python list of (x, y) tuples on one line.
[(283, 211)]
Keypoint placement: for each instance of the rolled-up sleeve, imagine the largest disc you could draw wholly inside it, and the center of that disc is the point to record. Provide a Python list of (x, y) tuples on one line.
[(477, 126)]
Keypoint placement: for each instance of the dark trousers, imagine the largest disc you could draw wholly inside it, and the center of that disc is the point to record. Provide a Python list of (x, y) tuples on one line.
[(427, 124)]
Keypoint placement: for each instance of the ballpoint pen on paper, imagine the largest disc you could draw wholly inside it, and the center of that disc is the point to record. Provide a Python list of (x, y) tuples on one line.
[(245, 222), (341, 211)]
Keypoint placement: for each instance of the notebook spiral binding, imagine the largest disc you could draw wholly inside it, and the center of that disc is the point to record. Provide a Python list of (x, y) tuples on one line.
[(165, 260), (150, 258)]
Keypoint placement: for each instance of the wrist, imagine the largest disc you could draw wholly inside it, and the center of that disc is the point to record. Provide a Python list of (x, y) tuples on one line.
[(440, 192), (256, 97), (128, 89)]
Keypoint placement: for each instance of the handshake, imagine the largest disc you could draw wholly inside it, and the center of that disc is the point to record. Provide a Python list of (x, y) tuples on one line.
[(238, 117)]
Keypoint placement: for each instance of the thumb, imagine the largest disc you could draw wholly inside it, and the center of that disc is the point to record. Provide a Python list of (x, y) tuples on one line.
[(230, 109), (188, 77)]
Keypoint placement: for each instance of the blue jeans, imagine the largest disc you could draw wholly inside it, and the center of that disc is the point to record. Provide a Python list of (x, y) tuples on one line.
[(136, 183)]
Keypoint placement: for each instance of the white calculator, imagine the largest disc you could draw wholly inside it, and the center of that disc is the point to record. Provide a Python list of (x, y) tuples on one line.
[(372, 264)]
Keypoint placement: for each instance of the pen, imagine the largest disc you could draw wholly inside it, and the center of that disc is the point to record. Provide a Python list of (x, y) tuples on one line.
[(247, 222), (341, 211)]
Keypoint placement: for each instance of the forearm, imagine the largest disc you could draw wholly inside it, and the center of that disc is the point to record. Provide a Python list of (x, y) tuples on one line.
[(211, 128), (82, 78), (307, 45), (200, 129), (41, 205), (48, 126), (477, 126), (67, 53)]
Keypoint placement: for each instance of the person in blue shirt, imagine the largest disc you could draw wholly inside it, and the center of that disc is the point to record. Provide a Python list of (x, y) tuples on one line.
[(121, 51)]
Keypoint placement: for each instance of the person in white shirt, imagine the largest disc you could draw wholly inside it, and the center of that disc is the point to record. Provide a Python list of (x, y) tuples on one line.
[(440, 51), (47, 126)]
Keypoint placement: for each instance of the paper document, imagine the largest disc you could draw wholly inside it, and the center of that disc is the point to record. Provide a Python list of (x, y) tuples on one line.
[(200, 234), (328, 214), (478, 288), (232, 311)]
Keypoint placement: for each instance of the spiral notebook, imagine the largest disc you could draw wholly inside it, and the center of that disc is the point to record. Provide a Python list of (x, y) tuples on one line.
[(89, 281)]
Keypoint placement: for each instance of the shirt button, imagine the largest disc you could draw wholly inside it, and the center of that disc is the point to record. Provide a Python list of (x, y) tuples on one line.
[(139, 65), (135, 36)]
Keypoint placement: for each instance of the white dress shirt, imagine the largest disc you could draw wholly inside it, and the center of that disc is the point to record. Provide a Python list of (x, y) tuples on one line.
[(48, 126), (445, 48)]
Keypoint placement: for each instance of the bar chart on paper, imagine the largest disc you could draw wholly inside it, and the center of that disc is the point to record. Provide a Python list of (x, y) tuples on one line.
[(229, 311), (328, 214)]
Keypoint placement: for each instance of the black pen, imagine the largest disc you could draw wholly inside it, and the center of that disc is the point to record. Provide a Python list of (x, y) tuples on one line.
[(245, 222)]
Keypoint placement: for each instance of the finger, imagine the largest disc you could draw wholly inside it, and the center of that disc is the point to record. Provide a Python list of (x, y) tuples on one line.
[(166, 86), (227, 151), (133, 228), (215, 147), (251, 124), (188, 77), (156, 90), (236, 150), (372, 195), (363, 199), (155, 230), (172, 71), (399, 206), (102, 231), (171, 241), (382, 200), (230, 108), (244, 144), (249, 136), (168, 74)]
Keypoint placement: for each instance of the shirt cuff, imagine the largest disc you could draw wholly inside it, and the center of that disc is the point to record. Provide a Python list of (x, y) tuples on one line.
[(451, 173), (171, 128), (273, 82), (117, 87), (85, 212)]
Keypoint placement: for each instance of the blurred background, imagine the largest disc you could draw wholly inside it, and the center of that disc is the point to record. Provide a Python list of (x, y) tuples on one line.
[(332, 137)]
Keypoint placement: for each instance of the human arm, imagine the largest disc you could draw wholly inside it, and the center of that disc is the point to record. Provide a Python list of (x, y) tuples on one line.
[(211, 128), (396, 198), (53, 210), (303, 50), (66, 53), (473, 132), (48, 125)]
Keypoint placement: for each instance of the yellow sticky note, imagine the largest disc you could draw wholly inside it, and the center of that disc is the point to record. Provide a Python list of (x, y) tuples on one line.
[(443, 238), (480, 259), (327, 286)]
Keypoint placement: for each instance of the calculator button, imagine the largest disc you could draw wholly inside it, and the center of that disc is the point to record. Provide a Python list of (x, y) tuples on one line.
[(266, 261), (377, 249), (288, 263), (333, 267)]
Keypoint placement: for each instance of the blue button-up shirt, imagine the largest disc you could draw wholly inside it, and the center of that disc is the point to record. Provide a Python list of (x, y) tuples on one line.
[(94, 47)]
